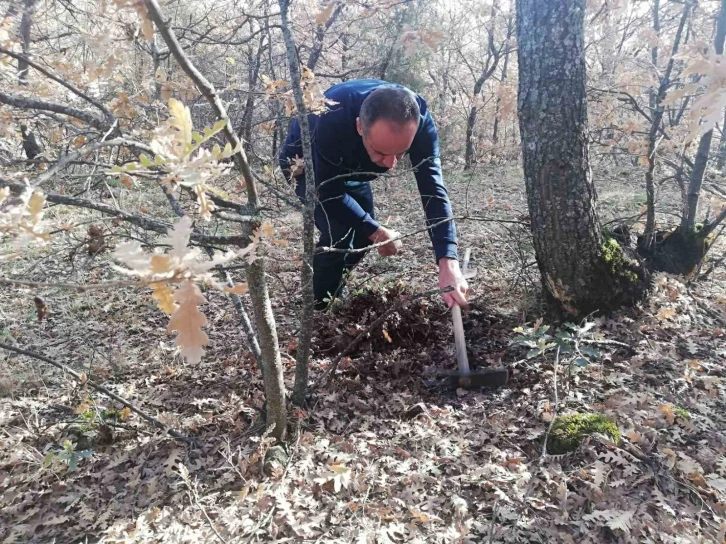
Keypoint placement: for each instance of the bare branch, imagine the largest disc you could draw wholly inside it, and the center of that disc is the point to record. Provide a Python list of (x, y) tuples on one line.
[(106, 112), (85, 150), (33, 104), (142, 221)]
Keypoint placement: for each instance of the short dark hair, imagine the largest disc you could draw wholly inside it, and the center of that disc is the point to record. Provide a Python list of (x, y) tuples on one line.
[(395, 104)]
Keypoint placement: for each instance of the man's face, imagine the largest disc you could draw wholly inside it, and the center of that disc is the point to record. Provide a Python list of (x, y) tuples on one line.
[(386, 142)]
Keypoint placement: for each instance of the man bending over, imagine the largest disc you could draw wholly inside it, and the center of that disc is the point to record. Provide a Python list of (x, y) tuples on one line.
[(369, 129)]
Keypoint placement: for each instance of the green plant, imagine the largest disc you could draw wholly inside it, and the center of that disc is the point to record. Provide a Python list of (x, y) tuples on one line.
[(540, 339), (67, 454)]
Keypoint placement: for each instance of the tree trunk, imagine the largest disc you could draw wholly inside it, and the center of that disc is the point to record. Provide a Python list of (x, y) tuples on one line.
[(25, 23), (688, 221), (581, 271), (253, 71), (470, 123), (491, 65), (300, 388), (495, 130), (317, 50), (656, 104), (345, 55), (722, 146), (264, 318)]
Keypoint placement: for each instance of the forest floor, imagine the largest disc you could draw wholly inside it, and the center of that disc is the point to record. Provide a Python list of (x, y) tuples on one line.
[(383, 454)]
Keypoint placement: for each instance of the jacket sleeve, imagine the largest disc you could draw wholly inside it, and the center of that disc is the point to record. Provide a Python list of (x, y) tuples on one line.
[(424, 154)]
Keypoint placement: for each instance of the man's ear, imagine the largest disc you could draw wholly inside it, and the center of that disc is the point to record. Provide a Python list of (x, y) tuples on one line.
[(358, 126)]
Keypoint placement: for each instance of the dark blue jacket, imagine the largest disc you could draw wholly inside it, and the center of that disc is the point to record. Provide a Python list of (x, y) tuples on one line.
[(338, 151)]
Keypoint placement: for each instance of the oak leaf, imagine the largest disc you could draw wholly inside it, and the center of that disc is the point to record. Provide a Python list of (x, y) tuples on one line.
[(188, 321), (164, 297)]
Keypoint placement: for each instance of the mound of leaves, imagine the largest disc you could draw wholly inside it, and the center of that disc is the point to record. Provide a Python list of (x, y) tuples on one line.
[(415, 325), (413, 340)]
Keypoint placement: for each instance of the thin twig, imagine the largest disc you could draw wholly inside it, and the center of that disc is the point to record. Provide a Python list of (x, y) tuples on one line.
[(328, 249), (357, 340), (606, 343), (85, 150), (494, 521), (713, 314), (98, 387), (74, 286), (194, 496)]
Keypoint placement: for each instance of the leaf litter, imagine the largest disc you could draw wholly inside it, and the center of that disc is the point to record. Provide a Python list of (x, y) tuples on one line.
[(378, 456)]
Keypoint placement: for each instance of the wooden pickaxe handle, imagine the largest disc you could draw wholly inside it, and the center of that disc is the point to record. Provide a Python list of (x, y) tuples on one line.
[(461, 357)]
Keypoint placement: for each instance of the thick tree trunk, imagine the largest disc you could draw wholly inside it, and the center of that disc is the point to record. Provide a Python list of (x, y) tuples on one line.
[(581, 271), (688, 221), (300, 388)]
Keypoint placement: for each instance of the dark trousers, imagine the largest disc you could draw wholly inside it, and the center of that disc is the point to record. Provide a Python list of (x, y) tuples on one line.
[(331, 269)]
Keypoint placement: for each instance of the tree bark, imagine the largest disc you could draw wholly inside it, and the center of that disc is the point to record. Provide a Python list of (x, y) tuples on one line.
[(300, 388), (576, 273), (688, 221), (264, 318), (345, 55), (34, 104)]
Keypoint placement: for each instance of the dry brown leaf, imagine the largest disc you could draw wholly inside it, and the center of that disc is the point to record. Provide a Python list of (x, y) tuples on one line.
[(266, 229), (127, 181), (667, 313), (324, 14), (239, 289), (164, 297), (188, 321), (35, 206), (41, 308), (161, 264)]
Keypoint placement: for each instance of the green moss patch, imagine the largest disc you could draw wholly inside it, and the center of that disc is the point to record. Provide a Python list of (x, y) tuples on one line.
[(682, 413), (569, 431), (617, 263)]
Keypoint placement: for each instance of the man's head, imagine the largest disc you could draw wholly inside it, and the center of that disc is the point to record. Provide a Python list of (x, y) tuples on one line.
[(388, 122)]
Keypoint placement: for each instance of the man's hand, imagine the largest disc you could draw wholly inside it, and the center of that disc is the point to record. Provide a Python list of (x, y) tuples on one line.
[(383, 234), (450, 274)]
